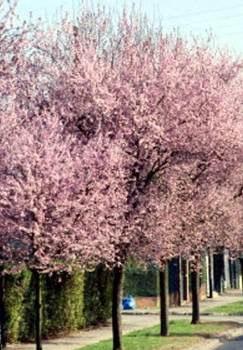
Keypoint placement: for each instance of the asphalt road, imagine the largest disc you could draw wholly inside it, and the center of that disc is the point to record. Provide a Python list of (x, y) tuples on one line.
[(234, 344)]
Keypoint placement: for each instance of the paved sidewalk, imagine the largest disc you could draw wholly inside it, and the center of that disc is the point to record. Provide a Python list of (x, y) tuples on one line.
[(131, 322)]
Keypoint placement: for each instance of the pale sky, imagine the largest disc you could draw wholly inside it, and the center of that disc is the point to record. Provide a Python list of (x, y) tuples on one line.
[(223, 18)]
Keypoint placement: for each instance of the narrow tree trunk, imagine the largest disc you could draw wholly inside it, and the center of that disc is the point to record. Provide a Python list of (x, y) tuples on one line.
[(180, 281), (2, 314), (164, 302), (116, 313), (222, 274), (210, 273), (186, 281), (38, 310), (195, 297)]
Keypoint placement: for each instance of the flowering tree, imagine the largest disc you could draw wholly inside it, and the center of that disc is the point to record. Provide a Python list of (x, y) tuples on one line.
[(56, 200), (173, 107), (12, 42), (199, 110), (59, 180), (37, 190), (135, 126)]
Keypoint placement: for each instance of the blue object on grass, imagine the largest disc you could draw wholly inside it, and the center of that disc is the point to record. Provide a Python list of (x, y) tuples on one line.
[(128, 303)]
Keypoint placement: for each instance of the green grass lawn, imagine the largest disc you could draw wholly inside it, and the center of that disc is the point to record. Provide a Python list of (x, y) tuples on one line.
[(228, 309), (182, 336)]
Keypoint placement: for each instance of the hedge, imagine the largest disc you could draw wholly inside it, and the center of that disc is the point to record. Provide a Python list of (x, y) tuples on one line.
[(97, 296), (70, 302), (139, 281), (16, 290)]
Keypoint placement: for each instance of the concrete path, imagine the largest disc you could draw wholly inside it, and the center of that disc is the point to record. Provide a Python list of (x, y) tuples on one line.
[(131, 322)]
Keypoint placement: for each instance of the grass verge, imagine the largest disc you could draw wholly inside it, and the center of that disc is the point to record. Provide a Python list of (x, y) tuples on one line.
[(182, 336), (234, 309)]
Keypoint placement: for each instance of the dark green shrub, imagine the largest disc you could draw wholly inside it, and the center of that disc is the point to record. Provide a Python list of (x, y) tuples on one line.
[(139, 281), (70, 302), (26, 327), (97, 295), (63, 295), (15, 306)]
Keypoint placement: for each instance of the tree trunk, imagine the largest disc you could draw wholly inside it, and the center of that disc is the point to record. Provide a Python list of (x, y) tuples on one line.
[(210, 273), (2, 314), (38, 310), (195, 297), (186, 288), (116, 313), (164, 302), (180, 281)]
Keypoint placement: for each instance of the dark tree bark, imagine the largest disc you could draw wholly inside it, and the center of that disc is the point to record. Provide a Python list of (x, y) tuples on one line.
[(116, 313), (3, 339), (210, 273), (180, 282), (164, 301), (185, 274), (38, 310), (218, 272), (195, 297)]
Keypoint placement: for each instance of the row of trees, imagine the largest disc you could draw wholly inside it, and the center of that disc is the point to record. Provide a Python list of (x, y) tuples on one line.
[(117, 140)]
